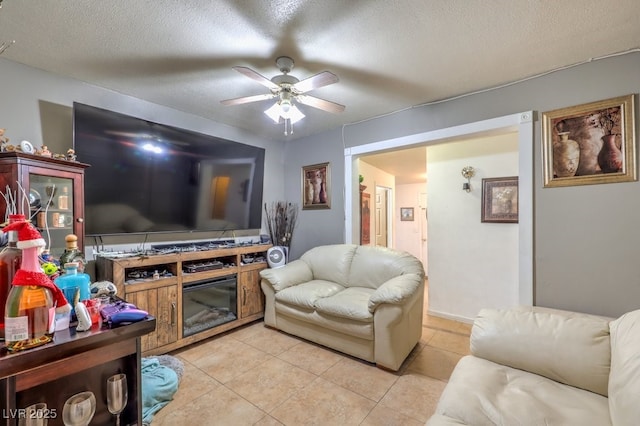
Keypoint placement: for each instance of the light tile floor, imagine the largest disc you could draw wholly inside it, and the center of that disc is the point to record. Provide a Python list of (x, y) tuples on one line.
[(255, 375)]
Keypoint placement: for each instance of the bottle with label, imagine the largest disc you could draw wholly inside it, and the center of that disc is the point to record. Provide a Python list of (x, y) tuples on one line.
[(71, 252), (10, 259), (29, 316)]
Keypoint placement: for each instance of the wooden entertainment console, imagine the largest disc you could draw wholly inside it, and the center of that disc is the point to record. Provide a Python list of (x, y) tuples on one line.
[(155, 283)]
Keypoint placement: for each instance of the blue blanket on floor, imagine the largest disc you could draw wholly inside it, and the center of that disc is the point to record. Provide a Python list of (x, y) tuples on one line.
[(159, 384)]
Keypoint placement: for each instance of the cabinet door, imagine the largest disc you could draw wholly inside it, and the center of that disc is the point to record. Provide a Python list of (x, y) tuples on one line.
[(51, 203), (251, 297), (161, 303), (56, 206)]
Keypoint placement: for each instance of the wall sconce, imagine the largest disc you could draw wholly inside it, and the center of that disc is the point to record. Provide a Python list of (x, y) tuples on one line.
[(467, 172)]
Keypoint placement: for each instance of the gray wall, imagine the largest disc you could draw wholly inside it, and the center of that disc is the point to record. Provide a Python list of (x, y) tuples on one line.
[(316, 227), (37, 106), (585, 236)]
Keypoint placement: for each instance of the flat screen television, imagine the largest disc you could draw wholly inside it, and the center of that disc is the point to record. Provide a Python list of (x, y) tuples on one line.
[(146, 177)]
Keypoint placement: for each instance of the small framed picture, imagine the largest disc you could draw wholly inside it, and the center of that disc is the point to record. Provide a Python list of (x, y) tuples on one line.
[(406, 214), (316, 192), (500, 200)]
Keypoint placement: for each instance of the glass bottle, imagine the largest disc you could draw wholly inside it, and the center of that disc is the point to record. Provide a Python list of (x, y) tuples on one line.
[(71, 252), (10, 259), (63, 200), (29, 311), (75, 285)]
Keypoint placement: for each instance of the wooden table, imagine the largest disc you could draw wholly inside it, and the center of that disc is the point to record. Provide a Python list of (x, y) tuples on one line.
[(74, 362)]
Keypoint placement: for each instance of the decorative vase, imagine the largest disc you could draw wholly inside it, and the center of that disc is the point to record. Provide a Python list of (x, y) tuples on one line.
[(323, 193), (309, 192), (610, 157), (566, 156)]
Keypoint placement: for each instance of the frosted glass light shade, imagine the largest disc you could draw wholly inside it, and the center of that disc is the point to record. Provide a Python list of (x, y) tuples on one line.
[(276, 111)]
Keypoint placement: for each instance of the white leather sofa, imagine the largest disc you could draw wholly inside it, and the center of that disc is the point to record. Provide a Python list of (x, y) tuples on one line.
[(361, 300), (538, 366)]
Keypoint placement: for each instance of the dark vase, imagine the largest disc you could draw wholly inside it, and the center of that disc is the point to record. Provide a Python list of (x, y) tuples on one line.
[(323, 192), (610, 157)]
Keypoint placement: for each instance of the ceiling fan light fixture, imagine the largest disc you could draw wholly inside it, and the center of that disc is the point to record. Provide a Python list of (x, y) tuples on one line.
[(285, 110), (274, 112), (294, 114), (289, 91), (285, 106)]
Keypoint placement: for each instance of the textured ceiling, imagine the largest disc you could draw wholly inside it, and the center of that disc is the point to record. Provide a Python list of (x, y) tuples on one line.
[(388, 54)]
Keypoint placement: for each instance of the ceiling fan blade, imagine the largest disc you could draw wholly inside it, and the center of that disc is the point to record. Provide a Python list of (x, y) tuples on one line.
[(257, 77), (322, 79), (247, 99), (312, 101)]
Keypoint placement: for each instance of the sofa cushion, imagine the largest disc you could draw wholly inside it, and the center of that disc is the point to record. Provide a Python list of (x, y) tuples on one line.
[(481, 392), (306, 294), (331, 262), (372, 266), (624, 381), (351, 303), (569, 347), (349, 327)]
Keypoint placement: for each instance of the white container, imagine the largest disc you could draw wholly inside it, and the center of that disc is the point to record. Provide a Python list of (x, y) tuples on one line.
[(62, 321)]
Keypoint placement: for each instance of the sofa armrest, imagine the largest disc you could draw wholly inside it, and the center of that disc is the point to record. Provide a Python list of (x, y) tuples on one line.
[(293, 273), (568, 347), (396, 291)]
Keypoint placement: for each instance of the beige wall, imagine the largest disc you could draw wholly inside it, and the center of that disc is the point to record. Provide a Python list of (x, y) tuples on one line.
[(471, 264)]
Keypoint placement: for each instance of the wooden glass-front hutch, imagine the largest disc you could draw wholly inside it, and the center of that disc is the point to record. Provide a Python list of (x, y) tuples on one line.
[(55, 195)]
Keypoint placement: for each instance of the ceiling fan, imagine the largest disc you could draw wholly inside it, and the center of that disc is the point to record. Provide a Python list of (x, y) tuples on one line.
[(287, 90)]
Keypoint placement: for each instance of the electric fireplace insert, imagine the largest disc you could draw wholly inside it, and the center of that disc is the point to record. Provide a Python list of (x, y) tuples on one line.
[(207, 304)]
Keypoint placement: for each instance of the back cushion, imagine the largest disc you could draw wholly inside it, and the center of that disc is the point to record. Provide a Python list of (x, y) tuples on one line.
[(624, 382), (330, 262), (373, 266), (567, 347)]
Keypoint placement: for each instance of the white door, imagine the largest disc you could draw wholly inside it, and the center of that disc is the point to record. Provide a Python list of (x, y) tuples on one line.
[(422, 202), (383, 228)]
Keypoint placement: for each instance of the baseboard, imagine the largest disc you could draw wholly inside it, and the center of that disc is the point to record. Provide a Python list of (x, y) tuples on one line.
[(450, 317)]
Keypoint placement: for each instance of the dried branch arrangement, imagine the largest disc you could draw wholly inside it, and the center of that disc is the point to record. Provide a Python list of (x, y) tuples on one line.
[(280, 218)]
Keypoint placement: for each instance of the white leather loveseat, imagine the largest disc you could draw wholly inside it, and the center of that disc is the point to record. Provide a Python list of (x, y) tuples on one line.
[(361, 300), (537, 366)]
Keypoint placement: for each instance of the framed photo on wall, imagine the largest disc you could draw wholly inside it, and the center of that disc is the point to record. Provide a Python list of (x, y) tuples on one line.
[(500, 200), (590, 144), (316, 191), (365, 219), (406, 214)]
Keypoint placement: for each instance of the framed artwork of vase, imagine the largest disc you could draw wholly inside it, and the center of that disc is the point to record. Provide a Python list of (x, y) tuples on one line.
[(500, 200), (316, 189), (590, 144)]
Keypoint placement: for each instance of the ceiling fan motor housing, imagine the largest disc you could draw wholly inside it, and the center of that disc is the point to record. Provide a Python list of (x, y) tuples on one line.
[(285, 80), (285, 64)]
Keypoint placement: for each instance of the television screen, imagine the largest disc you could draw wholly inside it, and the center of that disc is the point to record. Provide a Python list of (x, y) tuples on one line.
[(149, 177)]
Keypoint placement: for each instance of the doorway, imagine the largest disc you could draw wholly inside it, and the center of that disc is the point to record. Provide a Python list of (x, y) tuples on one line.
[(520, 124)]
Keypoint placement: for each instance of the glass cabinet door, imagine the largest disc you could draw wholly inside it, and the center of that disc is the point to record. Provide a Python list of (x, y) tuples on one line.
[(51, 206)]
